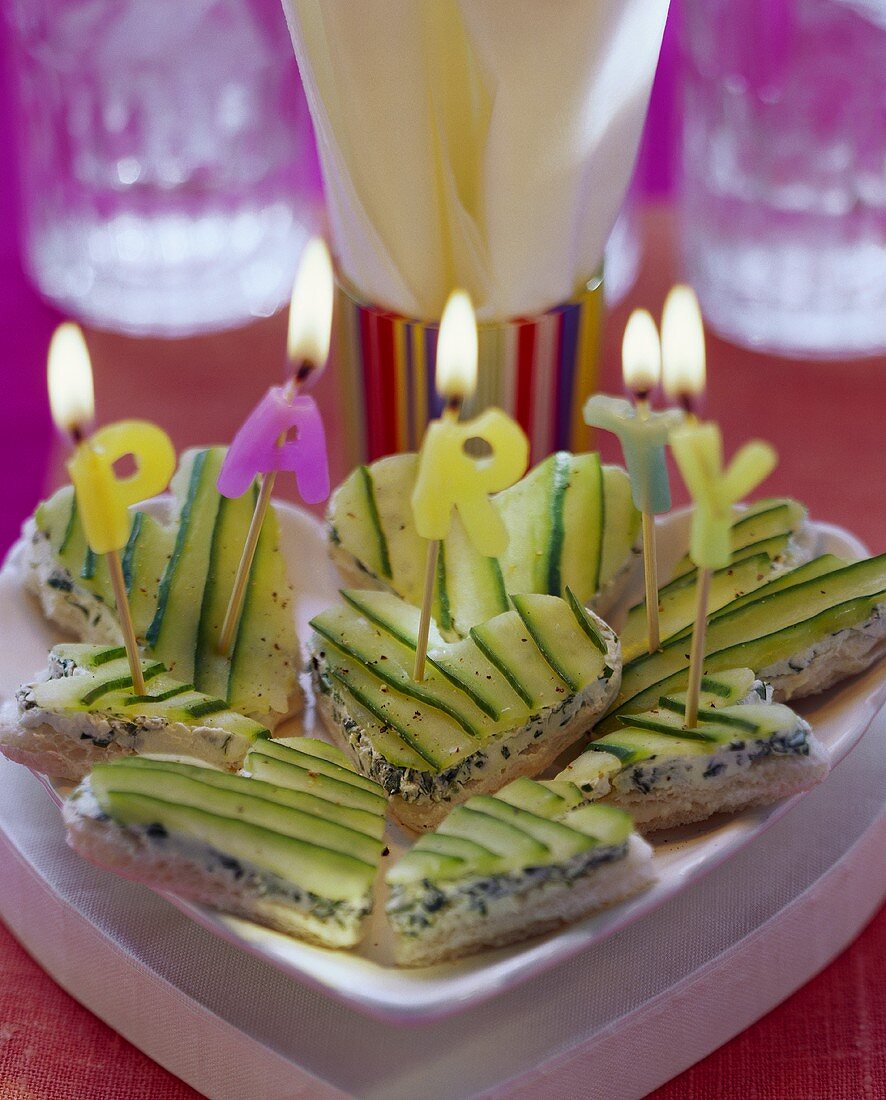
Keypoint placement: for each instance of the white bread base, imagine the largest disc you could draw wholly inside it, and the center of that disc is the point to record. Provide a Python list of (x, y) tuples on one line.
[(760, 784), (45, 750), (829, 661), (460, 930), (42, 748), (133, 856)]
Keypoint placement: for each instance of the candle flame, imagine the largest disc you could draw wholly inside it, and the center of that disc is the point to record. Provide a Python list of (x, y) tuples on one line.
[(69, 379), (682, 344), (310, 312), (457, 348), (641, 353)]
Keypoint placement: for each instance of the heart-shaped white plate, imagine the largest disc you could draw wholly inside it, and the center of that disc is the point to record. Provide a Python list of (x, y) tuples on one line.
[(367, 980)]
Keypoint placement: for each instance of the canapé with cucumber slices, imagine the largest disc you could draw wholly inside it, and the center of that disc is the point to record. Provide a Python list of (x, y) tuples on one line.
[(296, 849), (801, 632), (499, 869), (745, 751), (85, 713), (503, 702), (179, 567), (570, 520)]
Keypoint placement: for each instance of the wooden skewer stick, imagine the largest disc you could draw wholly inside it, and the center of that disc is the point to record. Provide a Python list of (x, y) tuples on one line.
[(421, 646), (696, 654), (650, 571), (452, 411), (235, 604), (650, 558), (238, 592), (115, 568)]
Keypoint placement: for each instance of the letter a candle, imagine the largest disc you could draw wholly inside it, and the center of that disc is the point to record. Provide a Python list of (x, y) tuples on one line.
[(451, 477), (262, 446), (103, 498), (698, 450), (643, 435)]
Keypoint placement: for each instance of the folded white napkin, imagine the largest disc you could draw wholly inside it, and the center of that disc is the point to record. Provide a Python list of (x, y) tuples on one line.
[(479, 143)]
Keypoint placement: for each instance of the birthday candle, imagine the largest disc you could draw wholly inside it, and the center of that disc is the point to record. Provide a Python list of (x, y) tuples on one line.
[(103, 498), (448, 476), (643, 435), (698, 450), (262, 447)]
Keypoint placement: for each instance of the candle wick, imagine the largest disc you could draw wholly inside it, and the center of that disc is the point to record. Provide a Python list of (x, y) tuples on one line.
[(76, 435), (303, 370), (687, 404), (452, 408)]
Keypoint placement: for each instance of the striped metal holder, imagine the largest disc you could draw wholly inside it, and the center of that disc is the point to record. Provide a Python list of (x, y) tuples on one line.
[(538, 369)]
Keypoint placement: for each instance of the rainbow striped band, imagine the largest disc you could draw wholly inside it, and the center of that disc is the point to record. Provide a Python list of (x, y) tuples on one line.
[(539, 369)]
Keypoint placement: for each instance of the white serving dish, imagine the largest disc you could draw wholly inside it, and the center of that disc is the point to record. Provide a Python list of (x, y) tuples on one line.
[(367, 980)]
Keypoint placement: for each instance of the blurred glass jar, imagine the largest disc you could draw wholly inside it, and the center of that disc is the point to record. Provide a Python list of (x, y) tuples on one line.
[(784, 171), (160, 146)]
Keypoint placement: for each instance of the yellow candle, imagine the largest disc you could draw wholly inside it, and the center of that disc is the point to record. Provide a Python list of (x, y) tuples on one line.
[(698, 450), (103, 498), (450, 478), (448, 475)]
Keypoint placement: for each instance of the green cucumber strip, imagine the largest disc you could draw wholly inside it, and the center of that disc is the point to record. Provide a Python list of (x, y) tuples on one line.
[(170, 693), (474, 589), (441, 608), (206, 706), (69, 526), (560, 639), (818, 567), (583, 513), (149, 671), (129, 550), (621, 524), (89, 562), (512, 649), (212, 669), (585, 621), (677, 607), (103, 656), (372, 508), (559, 485)]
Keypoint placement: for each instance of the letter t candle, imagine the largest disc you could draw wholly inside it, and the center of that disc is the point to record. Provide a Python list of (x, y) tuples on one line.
[(449, 477), (643, 435)]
